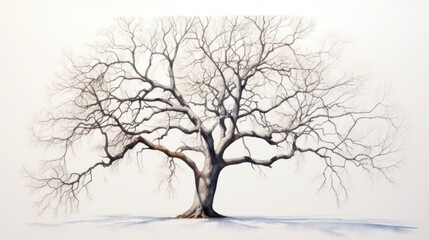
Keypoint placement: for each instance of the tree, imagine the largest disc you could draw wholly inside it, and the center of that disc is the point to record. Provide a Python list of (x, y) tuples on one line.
[(214, 84)]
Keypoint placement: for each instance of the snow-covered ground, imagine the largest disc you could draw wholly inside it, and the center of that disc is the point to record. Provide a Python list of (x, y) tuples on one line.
[(140, 227)]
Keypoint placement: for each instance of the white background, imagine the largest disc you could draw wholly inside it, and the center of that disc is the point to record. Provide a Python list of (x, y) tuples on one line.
[(387, 42)]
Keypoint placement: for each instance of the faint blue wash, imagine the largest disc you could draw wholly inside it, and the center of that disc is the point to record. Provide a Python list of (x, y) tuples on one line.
[(332, 226)]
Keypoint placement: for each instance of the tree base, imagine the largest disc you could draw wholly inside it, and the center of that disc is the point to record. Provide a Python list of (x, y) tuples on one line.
[(199, 213)]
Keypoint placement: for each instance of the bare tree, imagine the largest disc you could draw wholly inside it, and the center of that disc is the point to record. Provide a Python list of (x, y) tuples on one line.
[(212, 83)]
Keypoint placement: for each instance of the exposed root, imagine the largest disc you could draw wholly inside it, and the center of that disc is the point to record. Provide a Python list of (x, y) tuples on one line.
[(196, 213)]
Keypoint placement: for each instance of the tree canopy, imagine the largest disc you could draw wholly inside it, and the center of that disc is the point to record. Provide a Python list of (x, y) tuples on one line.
[(212, 83)]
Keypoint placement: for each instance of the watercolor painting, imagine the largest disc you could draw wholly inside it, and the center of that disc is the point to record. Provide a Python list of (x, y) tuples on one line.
[(159, 119)]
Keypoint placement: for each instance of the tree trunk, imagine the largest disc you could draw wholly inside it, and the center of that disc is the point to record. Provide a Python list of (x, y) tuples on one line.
[(206, 183)]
